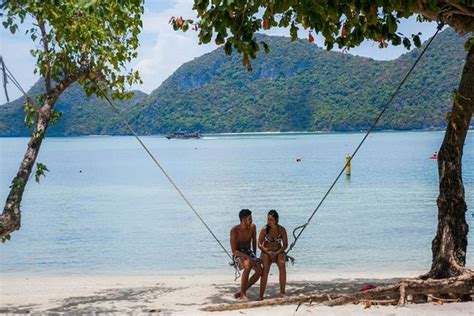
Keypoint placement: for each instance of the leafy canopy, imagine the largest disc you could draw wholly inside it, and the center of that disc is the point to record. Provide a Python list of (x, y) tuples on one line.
[(344, 24), (81, 40)]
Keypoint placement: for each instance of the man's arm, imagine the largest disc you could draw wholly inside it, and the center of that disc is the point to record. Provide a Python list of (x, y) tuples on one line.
[(254, 239)]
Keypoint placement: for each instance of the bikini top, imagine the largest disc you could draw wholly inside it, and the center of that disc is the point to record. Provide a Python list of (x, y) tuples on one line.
[(279, 238)]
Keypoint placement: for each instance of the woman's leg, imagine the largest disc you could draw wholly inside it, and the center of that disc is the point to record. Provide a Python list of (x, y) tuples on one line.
[(266, 261), (281, 263)]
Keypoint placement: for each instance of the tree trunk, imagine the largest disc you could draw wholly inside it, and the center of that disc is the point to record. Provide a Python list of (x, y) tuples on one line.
[(449, 245), (10, 218), (458, 288)]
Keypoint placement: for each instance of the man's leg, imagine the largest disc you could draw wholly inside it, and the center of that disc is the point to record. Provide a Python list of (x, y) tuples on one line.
[(258, 272), (244, 279)]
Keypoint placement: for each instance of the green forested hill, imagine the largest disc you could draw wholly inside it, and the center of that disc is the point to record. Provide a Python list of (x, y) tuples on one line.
[(297, 87), (81, 115)]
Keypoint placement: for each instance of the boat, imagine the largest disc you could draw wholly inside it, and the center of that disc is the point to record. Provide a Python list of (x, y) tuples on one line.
[(183, 135)]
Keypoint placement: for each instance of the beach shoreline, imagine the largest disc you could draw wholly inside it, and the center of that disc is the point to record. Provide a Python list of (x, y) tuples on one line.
[(188, 293)]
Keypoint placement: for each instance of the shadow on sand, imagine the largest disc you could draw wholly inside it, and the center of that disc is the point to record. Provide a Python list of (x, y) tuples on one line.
[(337, 286), (104, 301)]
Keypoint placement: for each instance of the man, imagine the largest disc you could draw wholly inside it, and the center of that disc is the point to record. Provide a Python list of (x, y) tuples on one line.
[(243, 242)]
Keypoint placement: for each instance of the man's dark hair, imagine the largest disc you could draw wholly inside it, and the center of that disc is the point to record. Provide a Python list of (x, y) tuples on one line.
[(244, 213)]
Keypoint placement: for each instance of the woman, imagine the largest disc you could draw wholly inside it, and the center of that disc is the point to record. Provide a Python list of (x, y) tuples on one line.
[(273, 242)]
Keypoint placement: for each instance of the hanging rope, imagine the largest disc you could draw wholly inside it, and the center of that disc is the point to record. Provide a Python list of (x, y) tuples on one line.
[(237, 272), (301, 228), (5, 81), (9, 75)]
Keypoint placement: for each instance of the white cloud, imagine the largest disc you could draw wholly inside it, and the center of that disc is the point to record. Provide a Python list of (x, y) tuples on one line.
[(164, 50)]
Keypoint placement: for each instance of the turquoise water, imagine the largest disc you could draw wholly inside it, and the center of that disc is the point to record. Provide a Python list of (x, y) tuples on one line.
[(105, 208)]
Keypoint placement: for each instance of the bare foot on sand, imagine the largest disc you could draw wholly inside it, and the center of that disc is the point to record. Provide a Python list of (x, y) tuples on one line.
[(260, 298), (237, 295), (244, 298), (282, 295)]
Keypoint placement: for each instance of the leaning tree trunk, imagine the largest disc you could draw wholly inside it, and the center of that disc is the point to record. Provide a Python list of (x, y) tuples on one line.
[(449, 245), (10, 218)]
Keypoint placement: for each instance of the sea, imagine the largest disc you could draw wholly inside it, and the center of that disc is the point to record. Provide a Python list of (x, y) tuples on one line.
[(104, 207)]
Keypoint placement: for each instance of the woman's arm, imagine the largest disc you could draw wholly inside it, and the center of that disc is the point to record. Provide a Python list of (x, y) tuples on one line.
[(261, 238), (284, 236)]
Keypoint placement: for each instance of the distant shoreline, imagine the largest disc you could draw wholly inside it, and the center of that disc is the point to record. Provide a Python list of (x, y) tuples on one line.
[(239, 134)]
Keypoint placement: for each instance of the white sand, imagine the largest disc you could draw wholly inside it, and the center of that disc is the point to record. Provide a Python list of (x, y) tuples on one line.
[(187, 294)]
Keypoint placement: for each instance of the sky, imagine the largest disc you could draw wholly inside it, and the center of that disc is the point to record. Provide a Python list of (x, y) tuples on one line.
[(163, 50)]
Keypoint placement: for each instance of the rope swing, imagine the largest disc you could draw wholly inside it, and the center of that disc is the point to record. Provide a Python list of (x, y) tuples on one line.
[(298, 230), (301, 228)]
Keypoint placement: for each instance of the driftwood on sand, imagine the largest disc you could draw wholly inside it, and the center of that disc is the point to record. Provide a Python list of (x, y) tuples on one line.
[(458, 288)]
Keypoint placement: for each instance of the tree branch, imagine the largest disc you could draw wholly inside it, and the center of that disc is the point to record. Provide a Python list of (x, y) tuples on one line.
[(464, 10), (4, 4), (44, 38), (448, 13), (390, 294)]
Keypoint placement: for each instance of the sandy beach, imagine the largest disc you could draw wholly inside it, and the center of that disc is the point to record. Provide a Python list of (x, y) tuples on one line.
[(188, 294)]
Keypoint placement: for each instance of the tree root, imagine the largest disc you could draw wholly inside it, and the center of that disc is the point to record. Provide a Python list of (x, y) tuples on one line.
[(454, 289)]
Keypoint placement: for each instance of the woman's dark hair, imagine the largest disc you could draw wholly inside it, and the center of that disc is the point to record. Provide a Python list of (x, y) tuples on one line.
[(244, 213), (274, 214)]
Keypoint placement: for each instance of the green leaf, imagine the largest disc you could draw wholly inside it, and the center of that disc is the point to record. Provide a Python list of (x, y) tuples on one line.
[(294, 32), (40, 171), (469, 44), (228, 48), (6, 238), (266, 48), (391, 23), (416, 40), (55, 117), (31, 113), (406, 43)]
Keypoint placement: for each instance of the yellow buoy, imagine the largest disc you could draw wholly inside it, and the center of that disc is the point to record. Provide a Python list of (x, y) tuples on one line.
[(348, 165)]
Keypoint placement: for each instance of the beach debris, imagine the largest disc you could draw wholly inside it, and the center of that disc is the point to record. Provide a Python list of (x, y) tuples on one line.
[(367, 287), (455, 289), (441, 301), (156, 311), (367, 304), (299, 304)]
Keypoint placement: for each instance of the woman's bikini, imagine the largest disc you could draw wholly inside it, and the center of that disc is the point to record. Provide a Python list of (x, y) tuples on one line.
[(279, 239)]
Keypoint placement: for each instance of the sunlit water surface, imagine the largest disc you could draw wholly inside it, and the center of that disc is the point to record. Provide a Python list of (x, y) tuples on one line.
[(105, 208)]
